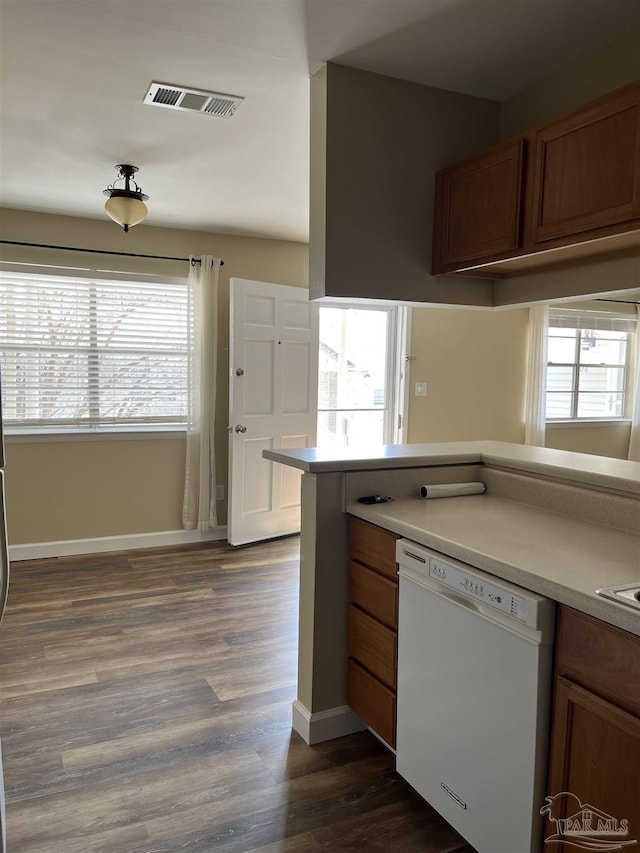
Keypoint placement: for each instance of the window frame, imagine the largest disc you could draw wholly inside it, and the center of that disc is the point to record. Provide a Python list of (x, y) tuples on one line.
[(631, 343), (397, 358), (66, 431)]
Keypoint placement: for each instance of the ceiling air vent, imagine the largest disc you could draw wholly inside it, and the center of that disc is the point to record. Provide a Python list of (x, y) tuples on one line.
[(192, 100)]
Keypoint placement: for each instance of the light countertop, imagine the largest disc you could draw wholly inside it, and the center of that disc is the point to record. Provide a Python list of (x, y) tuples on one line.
[(577, 467), (555, 555)]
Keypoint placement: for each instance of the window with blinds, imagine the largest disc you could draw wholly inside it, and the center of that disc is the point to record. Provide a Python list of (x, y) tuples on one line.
[(91, 351), (588, 364)]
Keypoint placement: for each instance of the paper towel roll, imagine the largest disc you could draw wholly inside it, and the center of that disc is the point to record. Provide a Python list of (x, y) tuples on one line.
[(450, 490)]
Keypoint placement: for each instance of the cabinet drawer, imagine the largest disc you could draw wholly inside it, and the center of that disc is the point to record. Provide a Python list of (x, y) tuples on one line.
[(372, 701), (373, 645), (373, 545), (375, 594), (600, 657)]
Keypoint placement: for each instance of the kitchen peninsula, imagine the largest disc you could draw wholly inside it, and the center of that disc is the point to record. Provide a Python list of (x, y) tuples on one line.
[(560, 524)]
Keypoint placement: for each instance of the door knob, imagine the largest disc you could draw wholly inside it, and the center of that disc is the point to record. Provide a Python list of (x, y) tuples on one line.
[(239, 371), (240, 428)]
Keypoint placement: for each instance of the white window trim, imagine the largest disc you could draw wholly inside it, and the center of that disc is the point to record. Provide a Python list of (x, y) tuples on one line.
[(48, 436), (591, 422), (401, 377), (632, 343)]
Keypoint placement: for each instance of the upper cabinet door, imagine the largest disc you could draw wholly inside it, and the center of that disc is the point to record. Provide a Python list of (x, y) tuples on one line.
[(587, 168), (477, 214)]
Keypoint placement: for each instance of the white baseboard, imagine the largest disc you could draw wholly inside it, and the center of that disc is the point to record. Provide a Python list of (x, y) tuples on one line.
[(325, 725), (98, 545)]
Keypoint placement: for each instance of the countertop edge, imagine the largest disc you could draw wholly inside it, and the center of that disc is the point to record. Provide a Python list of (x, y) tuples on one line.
[(618, 615), (616, 474)]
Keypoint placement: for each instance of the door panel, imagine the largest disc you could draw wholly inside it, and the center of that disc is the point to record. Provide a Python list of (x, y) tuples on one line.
[(297, 315), (272, 399), (296, 358), (259, 310), (257, 479), (258, 378)]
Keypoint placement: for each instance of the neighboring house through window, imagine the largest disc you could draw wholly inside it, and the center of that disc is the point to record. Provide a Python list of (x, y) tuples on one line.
[(588, 355)]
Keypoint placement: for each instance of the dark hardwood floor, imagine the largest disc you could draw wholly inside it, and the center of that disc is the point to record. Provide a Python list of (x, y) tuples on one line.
[(146, 708)]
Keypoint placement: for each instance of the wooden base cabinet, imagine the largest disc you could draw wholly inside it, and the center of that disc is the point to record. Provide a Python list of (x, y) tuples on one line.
[(595, 749), (373, 627)]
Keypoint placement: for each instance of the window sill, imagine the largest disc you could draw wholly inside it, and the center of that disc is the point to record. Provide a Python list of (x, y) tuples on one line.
[(583, 422), (50, 436)]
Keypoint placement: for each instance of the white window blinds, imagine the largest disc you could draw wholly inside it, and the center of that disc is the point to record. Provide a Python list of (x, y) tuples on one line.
[(91, 351), (606, 321)]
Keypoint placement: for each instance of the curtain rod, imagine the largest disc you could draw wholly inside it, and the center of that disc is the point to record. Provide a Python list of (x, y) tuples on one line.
[(622, 301), (100, 251)]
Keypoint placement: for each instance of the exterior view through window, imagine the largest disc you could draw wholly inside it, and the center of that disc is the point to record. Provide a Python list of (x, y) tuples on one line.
[(586, 373), (357, 386)]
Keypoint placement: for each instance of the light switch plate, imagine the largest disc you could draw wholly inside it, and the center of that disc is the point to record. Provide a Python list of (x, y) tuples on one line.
[(421, 389)]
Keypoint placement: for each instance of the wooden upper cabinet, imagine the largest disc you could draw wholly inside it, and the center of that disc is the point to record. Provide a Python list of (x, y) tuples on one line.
[(557, 192), (478, 207), (586, 168)]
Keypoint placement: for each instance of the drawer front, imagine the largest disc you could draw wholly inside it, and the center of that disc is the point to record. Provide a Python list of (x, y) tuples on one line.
[(373, 645), (374, 546), (372, 701), (602, 658), (375, 594)]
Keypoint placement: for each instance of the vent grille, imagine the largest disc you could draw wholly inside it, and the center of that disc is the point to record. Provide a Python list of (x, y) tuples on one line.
[(168, 97), (222, 107), (192, 100)]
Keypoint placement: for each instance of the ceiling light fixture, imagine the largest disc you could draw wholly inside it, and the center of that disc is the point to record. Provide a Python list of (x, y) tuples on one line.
[(125, 205)]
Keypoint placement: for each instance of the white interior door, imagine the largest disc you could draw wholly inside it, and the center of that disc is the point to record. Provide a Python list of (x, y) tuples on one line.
[(273, 384)]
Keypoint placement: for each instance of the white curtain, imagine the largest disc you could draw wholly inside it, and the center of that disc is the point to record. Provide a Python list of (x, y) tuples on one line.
[(199, 507), (634, 441), (534, 414)]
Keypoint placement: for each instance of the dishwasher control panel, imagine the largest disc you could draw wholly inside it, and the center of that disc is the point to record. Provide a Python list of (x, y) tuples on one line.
[(474, 586), (489, 594)]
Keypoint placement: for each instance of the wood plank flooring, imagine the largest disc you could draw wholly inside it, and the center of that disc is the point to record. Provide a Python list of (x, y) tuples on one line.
[(146, 708)]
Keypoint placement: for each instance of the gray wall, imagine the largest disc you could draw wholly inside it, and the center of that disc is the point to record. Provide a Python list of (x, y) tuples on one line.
[(376, 143)]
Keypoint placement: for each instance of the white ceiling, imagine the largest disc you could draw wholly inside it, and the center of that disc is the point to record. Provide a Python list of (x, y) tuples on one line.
[(73, 74)]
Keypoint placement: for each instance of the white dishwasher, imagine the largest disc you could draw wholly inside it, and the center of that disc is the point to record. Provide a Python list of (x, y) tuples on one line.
[(474, 693)]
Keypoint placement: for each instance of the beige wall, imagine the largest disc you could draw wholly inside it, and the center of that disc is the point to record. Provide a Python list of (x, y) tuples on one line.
[(606, 440), (474, 364), (73, 490)]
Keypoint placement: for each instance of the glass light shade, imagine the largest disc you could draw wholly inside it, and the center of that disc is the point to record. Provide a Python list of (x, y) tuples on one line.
[(126, 211)]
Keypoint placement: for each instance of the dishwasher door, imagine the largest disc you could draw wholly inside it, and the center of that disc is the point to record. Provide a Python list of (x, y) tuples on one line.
[(473, 717)]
